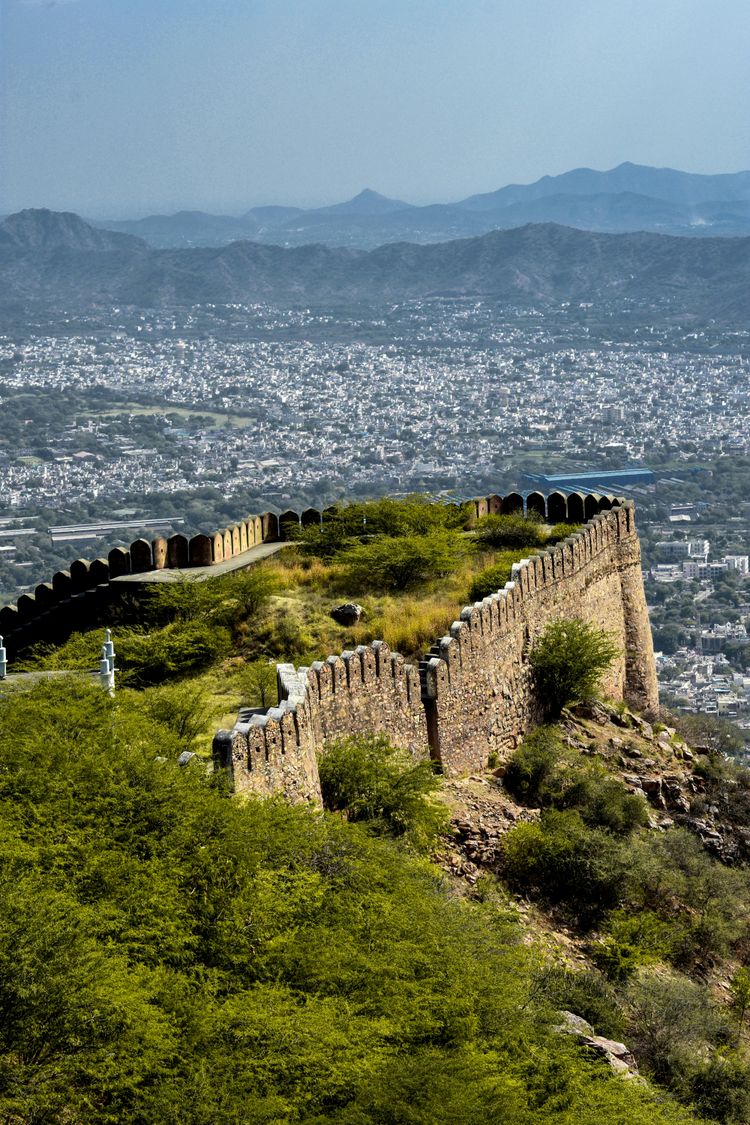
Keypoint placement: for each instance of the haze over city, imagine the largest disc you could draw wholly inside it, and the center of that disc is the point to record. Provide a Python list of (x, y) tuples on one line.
[(124, 109)]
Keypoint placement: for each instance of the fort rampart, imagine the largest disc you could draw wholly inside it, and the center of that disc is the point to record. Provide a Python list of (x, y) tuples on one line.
[(473, 695), (87, 592)]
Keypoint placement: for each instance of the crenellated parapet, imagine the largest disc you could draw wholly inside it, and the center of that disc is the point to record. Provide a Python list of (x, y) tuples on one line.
[(82, 596), (367, 690), (473, 695), (478, 689)]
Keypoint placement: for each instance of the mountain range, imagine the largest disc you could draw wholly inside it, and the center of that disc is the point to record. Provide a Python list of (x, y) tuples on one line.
[(630, 197), (57, 261)]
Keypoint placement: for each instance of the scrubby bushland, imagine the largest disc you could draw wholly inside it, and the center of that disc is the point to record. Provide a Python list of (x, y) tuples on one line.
[(348, 524), (715, 736), (568, 661), (187, 626), (586, 992), (374, 782), (565, 861), (145, 657), (227, 601), (170, 955), (545, 773)]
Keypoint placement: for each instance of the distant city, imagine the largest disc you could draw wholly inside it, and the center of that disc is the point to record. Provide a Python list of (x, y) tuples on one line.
[(538, 359)]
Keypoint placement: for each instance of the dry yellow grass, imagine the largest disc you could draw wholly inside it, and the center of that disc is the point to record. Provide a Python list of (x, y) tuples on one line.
[(409, 623)]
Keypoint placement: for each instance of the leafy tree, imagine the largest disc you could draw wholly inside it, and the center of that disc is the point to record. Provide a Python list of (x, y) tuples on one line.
[(587, 993), (670, 1021), (568, 661), (257, 682), (389, 563), (373, 781), (226, 600), (186, 709), (671, 874), (179, 649)]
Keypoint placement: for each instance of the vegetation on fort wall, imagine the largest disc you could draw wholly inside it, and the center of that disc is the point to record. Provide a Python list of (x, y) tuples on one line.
[(170, 955), (568, 661)]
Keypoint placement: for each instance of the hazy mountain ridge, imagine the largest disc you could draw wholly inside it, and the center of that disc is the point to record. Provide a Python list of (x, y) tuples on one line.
[(61, 262), (630, 197)]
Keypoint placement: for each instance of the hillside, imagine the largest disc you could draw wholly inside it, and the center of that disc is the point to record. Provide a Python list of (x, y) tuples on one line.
[(517, 943), (630, 197), (52, 261)]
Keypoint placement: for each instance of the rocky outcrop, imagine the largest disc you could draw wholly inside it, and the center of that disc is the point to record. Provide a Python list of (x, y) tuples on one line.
[(619, 1057)]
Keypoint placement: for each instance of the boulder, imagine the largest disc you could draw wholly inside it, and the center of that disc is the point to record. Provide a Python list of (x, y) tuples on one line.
[(347, 614)]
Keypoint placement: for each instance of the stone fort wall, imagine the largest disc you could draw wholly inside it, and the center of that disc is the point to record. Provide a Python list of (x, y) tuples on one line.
[(473, 694), (85, 594)]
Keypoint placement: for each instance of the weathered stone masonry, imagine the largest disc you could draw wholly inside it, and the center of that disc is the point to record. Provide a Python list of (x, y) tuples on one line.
[(473, 695)]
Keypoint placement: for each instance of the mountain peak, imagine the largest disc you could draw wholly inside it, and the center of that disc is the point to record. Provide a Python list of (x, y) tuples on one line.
[(38, 228), (367, 202)]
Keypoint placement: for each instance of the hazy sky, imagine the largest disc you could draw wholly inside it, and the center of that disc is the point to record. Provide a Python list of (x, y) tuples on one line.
[(126, 107)]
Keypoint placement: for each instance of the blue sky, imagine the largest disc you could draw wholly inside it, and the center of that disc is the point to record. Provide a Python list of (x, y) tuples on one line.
[(127, 107)]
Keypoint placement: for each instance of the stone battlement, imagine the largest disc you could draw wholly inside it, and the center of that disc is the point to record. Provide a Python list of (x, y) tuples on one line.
[(82, 596), (473, 694)]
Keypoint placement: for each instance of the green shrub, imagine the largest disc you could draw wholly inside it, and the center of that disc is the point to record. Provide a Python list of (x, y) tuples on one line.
[(568, 661), (517, 530), (719, 1088), (180, 649), (586, 993), (565, 861), (390, 564), (602, 800), (185, 709), (672, 875), (257, 683), (544, 772), (493, 578), (671, 1022), (371, 780), (227, 600), (532, 774), (716, 736), (349, 524), (560, 531), (168, 955), (630, 940)]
